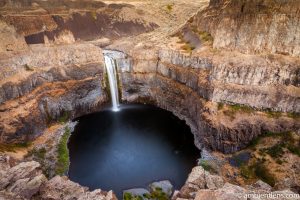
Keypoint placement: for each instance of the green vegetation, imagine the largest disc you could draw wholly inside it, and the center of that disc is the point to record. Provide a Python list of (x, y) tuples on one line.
[(207, 166), (64, 117), (13, 147), (129, 196), (276, 151), (257, 170), (287, 141), (247, 172), (188, 47), (241, 108), (28, 68), (258, 166), (233, 109), (63, 153), (205, 36), (157, 194), (263, 173)]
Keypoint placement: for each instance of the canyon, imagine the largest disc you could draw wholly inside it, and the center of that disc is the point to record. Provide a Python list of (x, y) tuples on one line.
[(230, 69)]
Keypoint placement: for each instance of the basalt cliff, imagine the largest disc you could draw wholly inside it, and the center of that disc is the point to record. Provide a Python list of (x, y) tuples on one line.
[(230, 69)]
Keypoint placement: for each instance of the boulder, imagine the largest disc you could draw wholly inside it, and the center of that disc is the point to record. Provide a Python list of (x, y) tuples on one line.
[(27, 187)]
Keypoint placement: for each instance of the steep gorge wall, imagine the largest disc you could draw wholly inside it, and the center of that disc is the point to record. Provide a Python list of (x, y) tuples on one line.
[(189, 87), (268, 26), (46, 84)]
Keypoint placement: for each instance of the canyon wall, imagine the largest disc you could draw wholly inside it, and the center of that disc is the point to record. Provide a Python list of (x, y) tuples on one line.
[(227, 97), (45, 84), (269, 26), (69, 21), (193, 87)]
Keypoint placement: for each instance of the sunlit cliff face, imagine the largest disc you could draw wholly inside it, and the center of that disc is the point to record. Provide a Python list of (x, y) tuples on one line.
[(229, 69)]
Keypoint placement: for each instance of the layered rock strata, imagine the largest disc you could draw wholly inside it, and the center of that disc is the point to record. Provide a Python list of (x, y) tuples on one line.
[(25, 181), (46, 83), (252, 26), (192, 87)]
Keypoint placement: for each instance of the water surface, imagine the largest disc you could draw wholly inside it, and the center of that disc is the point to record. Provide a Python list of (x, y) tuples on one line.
[(131, 148)]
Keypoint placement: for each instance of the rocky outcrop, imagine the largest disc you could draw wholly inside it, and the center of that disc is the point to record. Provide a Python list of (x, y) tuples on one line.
[(55, 81), (26, 181), (10, 41), (201, 185), (252, 26), (49, 22)]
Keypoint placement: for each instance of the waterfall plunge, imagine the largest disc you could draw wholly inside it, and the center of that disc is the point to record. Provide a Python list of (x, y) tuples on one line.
[(111, 70)]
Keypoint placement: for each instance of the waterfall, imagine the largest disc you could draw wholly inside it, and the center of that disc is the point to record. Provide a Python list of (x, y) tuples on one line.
[(111, 69)]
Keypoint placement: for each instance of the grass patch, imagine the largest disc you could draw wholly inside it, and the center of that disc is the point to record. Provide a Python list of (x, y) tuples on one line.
[(129, 196), (247, 172), (241, 108), (276, 151), (287, 141), (157, 194), (188, 47), (13, 147), (207, 166), (233, 109), (205, 36), (64, 117), (257, 170), (263, 173), (63, 161)]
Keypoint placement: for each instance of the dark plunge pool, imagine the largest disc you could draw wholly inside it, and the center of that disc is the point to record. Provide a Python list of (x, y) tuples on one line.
[(131, 148)]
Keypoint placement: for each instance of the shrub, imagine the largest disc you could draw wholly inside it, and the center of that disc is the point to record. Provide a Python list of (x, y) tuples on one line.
[(275, 151), (207, 166), (129, 196), (262, 172), (247, 172), (157, 194), (64, 117)]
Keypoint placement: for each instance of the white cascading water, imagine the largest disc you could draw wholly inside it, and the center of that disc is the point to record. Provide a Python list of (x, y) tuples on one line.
[(111, 69)]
